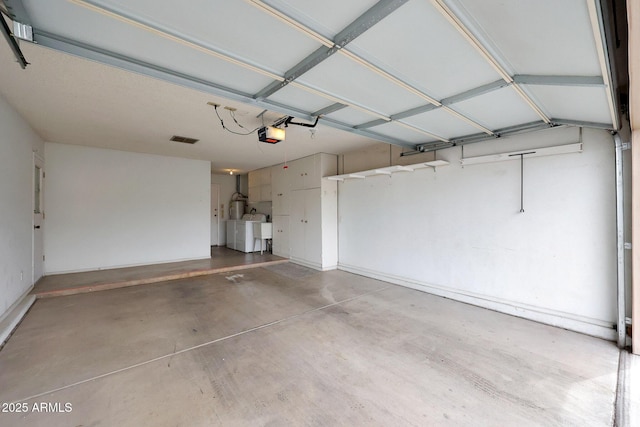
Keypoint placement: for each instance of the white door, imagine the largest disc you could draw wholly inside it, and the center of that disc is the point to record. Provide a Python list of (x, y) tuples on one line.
[(215, 219), (38, 219)]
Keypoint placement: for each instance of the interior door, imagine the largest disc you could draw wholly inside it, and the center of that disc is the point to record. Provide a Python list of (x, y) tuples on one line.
[(38, 219), (215, 219)]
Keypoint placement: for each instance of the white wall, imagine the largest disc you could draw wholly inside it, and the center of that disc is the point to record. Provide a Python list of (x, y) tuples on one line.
[(17, 144), (107, 208), (227, 188), (458, 232)]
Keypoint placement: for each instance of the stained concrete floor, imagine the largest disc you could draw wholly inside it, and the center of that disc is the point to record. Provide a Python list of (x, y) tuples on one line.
[(284, 345)]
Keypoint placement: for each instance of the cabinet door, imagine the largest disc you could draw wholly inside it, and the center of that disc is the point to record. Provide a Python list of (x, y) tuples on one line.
[(254, 194), (312, 226), (297, 224), (281, 236), (254, 178), (303, 173), (265, 193), (280, 190)]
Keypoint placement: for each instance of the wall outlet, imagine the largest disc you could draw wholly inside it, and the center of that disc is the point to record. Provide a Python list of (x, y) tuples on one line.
[(21, 275)]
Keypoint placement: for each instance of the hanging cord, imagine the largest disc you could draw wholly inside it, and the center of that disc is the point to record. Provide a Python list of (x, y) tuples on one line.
[(234, 119)]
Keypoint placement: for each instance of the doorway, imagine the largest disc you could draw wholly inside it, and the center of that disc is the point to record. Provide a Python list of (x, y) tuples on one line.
[(38, 219), (215, 219)]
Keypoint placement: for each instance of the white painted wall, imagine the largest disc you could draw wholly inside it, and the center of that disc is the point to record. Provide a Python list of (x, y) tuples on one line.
[(17, 144), (107, 208), (227, 188), (458, 232)]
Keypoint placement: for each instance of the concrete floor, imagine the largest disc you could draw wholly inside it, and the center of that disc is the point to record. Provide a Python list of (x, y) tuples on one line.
[(284, 345), (222, 260)]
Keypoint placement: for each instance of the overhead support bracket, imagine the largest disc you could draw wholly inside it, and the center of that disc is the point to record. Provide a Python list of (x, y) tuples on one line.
[(13, 44), (371, 124), (352, 31), (329, 109), (583, 124), (511, 130), (527, 79), (433, 146), (477, 91), (299, 69), (414, 111)]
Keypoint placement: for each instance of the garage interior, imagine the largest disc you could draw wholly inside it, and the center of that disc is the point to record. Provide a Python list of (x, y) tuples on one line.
[(448, 186)]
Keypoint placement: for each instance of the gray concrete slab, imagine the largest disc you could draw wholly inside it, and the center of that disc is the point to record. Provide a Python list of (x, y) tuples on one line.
[(222, 260), (341, 350), (68, 339)]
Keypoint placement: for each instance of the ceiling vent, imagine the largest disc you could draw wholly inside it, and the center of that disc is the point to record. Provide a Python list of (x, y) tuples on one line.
[(184, 139)]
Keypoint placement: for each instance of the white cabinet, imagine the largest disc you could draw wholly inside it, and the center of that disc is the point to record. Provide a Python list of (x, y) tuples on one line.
[(281, 190), (280, 237), (305, 211), (305, 172), (306, 226), (260, 185), (313, 226)]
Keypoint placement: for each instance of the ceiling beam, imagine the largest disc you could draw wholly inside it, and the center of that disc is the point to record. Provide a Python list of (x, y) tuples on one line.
[(477, 91), (366, 133), (582, 124), (13, 44), (375, 14), (97, 54), (511, 130), (527, 79), (185, 40), (356, 58), (329, 109), (371, 124), (414, 128)]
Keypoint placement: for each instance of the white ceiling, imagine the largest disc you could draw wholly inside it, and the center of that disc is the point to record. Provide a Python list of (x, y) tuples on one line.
[(412, 73)]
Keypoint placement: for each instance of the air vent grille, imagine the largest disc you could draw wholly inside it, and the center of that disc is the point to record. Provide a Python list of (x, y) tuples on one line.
[(184, 139)]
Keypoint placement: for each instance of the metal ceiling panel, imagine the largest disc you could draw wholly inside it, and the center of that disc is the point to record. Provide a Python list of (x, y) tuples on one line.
[(441, 123), (497, 109), (395, 130), (90, 28), (327, 17), (351, 116), (356, 84), (546, 37), (417, 44), (585, 104), (299, 98), (234, 27)]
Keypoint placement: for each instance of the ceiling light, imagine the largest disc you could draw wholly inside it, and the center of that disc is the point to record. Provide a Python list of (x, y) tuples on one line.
[(231, 172)]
